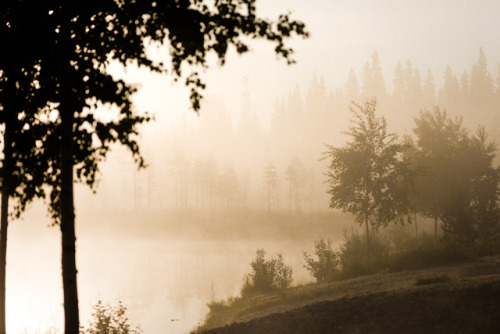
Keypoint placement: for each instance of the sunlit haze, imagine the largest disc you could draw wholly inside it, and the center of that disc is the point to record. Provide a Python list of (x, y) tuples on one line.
[(165, 242)]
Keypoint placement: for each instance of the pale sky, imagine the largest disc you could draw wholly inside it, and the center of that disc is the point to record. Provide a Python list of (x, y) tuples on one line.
[(344, 34)]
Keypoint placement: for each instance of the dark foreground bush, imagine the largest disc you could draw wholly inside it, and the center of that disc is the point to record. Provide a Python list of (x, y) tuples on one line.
[(267, 275)]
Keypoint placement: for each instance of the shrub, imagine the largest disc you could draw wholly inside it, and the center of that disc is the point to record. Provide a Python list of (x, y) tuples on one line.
[(353, 254), (221, 305), (267, 275), (399, 238), (487, 246), (326, 267), (423, 254), (107, 319)]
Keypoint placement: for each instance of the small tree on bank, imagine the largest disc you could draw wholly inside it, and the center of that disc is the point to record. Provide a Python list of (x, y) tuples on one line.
[(326, 266), (366, 176), (267, 275)]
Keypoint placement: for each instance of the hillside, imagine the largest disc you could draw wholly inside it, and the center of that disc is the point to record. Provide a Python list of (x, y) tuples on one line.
[(456, 299)]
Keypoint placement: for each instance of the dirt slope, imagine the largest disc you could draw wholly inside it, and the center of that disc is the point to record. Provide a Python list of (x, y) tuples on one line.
[(458, 299)]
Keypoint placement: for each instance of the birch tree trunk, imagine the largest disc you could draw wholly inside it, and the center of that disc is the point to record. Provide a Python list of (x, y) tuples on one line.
[(71, 313)]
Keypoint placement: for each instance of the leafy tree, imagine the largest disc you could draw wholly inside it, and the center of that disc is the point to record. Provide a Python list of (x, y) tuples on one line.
[(485, 187), (439, 139), (458, 182), (326, 267), (472, 212), (20, 100), (74, 44), (17, 173), (409, 157), (366, 176)]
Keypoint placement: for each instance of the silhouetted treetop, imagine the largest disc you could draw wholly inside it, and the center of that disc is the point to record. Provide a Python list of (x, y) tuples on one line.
[(100, 31)]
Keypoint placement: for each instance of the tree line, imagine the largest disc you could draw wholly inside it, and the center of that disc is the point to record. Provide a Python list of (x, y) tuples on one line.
[(207, 185), (313, 114), (443, 172)]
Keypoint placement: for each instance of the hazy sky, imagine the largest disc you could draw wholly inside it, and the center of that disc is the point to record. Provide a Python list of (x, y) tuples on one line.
[(344, 34)]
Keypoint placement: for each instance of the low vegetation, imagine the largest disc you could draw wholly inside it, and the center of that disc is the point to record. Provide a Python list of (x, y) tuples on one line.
[(392, 250), (267, 275), (108, 319), (325, 267), (470, 280)]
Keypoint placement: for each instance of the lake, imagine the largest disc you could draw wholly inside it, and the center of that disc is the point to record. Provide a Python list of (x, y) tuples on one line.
[(164, 267)]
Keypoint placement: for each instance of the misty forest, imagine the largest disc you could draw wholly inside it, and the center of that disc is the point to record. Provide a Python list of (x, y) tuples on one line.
[(159, 176)]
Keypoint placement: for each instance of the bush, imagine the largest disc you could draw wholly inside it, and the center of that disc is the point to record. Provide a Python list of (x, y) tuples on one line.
[(221, 305), (267, 275), (353, 254), (326, 267), (487, 246), (423, 254), (107, 319)]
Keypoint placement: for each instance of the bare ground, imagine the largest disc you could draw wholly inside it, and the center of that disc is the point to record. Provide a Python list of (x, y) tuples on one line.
[(456, 299)]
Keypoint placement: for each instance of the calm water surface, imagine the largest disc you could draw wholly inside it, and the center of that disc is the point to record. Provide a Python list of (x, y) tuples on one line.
[(165, 283)]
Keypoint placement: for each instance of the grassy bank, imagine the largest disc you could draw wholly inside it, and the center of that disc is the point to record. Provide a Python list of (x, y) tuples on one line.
[(457, 277)]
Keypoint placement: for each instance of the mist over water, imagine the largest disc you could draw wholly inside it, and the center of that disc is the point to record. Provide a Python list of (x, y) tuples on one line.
[(162, 271)]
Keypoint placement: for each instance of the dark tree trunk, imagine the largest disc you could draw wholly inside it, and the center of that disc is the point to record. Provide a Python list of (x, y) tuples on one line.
[(3, 253), (4, 222), (71, 314), (4, 216)]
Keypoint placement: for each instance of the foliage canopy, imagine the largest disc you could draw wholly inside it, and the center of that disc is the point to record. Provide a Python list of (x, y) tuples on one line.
[(366, 176)]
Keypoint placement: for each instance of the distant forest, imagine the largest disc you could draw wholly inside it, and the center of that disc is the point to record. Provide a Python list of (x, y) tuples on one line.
[(217, 165)]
